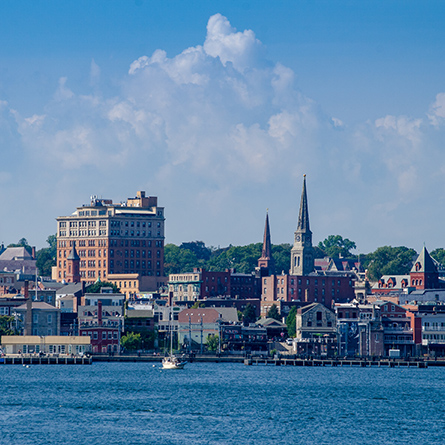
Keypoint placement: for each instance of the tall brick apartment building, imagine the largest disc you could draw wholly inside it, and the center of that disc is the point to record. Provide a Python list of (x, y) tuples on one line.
[(103, 238)]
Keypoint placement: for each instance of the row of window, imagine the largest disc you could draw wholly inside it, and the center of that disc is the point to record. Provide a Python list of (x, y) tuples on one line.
[(110, 335), (300, 281)]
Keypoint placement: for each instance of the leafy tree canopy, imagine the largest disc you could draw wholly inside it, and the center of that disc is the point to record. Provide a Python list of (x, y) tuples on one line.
[(131, 341), (7, 325), (249, 315), (198, 248), (46, 257), (389, 260), (439, 255), (95, 287), (335, 246), (291, 322), (183, 258), (274, 313), (212, 342)]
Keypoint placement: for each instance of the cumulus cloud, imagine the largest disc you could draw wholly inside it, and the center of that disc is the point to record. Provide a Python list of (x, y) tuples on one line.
[(437, 110), (220, 127)]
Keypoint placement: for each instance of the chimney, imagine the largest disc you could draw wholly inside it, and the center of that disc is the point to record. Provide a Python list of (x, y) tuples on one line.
[(33, 253), (28, 315), (170, 299), (75, 304), (99, 312)]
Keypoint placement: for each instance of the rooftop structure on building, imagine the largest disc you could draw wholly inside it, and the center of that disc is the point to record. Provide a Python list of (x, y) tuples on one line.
[(102, 238)]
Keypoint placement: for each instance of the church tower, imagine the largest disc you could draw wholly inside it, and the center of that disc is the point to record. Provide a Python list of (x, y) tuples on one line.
[(73, 263), (266, 263), (302, 253)]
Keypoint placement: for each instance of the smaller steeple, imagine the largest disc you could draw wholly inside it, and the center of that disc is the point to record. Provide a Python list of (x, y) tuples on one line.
[(266, 262)]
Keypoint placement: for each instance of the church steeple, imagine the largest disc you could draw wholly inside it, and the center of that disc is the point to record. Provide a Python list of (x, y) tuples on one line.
[(303, 217), (302, 254), (266, 263)]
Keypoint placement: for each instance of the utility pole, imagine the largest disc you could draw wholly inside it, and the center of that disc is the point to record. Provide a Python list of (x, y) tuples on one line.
[(219, 335), (190, 335), (201, 334)]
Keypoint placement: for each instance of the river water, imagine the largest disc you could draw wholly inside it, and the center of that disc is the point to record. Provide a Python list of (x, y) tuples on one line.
[(210, 403)]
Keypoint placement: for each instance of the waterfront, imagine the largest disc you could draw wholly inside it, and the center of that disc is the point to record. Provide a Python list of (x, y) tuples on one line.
[(210, 403)]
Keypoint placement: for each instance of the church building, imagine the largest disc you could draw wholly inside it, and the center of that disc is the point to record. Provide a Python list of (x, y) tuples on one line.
[(303, 284)]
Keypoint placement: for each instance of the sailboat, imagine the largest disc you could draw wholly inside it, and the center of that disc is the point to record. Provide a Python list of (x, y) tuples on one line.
[(171, 361)]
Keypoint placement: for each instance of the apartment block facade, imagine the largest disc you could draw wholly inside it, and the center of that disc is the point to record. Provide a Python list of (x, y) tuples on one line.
[(112, 238)]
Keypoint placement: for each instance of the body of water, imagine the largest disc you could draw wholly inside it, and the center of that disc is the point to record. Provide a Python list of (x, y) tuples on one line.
[(210, 403)]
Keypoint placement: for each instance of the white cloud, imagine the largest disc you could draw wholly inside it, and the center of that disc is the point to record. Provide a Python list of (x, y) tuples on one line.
[(63, 93), (218, 130), (437, 110)]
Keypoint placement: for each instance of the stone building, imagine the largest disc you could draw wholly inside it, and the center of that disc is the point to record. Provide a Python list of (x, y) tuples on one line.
[(105, 238)]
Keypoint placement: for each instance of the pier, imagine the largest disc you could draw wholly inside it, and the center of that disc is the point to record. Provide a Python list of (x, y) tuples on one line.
[(45, 360), (343, 362)]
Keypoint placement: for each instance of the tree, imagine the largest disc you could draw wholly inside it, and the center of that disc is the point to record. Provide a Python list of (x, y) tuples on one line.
[(95, 287), (179, 260), (335, 246), (131, 341), (439, 255), (249, 315), (198, 248), (274, 313), (6, 325), (46, 257), (212, 342), (291, 322), (281, 256), (389, 260)]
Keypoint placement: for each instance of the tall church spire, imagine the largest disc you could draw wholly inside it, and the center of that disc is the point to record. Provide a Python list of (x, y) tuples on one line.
[(303, 217), (265, 262), (302, 253)]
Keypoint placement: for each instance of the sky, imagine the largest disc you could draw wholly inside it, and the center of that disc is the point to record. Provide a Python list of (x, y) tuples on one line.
[(219, 108)]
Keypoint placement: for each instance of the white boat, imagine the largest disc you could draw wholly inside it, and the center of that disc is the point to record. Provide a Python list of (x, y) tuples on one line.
[(171, 361)]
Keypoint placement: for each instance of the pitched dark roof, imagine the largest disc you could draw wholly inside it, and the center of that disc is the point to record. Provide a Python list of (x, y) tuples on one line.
[(73, 254), (424, 263)]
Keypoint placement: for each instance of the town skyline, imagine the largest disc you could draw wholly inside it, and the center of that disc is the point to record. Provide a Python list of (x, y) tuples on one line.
[(219, 112)]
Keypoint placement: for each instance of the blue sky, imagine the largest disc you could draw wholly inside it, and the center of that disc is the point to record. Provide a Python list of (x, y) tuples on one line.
[(219, 108)]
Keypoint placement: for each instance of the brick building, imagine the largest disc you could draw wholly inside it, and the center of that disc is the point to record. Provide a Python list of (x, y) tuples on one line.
[(303, 283), (103, 238)]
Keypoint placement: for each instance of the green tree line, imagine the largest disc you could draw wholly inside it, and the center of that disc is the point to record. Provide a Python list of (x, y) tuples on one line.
[(385, 260)]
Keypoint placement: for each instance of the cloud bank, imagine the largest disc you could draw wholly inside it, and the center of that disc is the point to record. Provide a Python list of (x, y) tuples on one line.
[(219, 133)]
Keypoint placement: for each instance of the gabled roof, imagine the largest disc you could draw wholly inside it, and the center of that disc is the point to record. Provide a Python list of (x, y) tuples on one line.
[(15, 253), (424, 263), (312, 306), (269, 322), (39, 305)]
